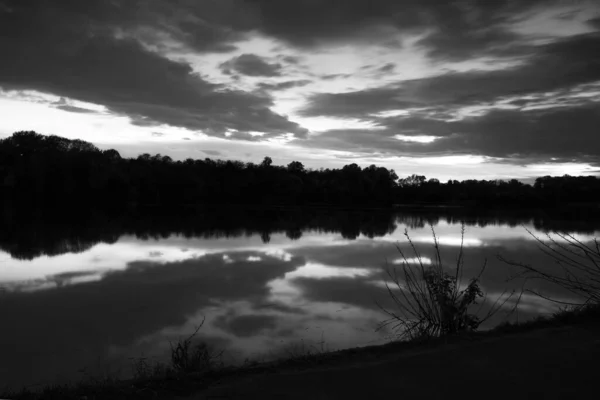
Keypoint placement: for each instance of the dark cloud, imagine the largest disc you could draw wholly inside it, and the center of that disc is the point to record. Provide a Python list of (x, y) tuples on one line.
[(309, 23), (205, 26), (199, 35), (358, 104), (541, 133), (594, 22), (283, 85), (417, 125), (330, 77), (251, 65), (533, 135), (65, 49), (520, 102), (212, 152), (74, 109), (462, 30), (559, 65), (387, 67), (291, 59), (555, 66), (456, 30), (199, 26), (62, 104)]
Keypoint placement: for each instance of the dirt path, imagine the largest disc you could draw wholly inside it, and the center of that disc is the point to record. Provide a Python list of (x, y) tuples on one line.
[(550, 363)]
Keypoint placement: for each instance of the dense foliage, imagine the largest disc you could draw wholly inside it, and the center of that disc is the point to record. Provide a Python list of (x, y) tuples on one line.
[(53, 170), (48, 171)]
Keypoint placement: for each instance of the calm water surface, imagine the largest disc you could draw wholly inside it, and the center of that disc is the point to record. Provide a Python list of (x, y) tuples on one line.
[(81, 300)]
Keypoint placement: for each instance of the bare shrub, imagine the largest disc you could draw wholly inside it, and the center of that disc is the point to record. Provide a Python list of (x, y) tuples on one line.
[(430, 300), (579, 264), (187, 357)]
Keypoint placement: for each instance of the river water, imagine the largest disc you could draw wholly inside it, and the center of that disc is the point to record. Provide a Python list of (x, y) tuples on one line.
[(82, 298)]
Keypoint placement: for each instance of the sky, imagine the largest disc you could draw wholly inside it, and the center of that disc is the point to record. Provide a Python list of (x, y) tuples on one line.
[(452, 90)]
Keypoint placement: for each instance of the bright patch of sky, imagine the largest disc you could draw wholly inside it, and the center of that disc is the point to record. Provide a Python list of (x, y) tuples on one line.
[(99, 126), (416, 138)]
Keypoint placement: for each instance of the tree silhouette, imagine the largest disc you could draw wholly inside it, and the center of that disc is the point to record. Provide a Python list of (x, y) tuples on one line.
[(266, 162), (51, 172)]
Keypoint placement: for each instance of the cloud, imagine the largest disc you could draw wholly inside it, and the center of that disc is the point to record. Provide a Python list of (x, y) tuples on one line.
[(455, 31), (555, 89), (541, 133), (462, 30), (212, 152), (63, 104), (594, 22), (358, 104), (291, 59), (538, 133), (310, 23), (251, 65), (330, 77), (389, 67), (283, 85), (57, 50), (450, 31), (114, 54), (554, 66), (535, 135), (74, 109)]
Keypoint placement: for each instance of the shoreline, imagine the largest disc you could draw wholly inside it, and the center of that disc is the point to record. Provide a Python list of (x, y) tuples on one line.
[(357, 359)]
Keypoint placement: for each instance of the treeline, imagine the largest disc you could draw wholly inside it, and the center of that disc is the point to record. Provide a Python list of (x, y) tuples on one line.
[(50, 171), (547, 191)]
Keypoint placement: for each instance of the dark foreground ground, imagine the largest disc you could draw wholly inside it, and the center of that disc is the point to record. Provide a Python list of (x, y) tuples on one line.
[(549, 363), (552, 359)]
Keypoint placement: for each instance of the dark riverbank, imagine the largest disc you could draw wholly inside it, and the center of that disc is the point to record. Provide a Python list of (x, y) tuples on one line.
[(552, 358)]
